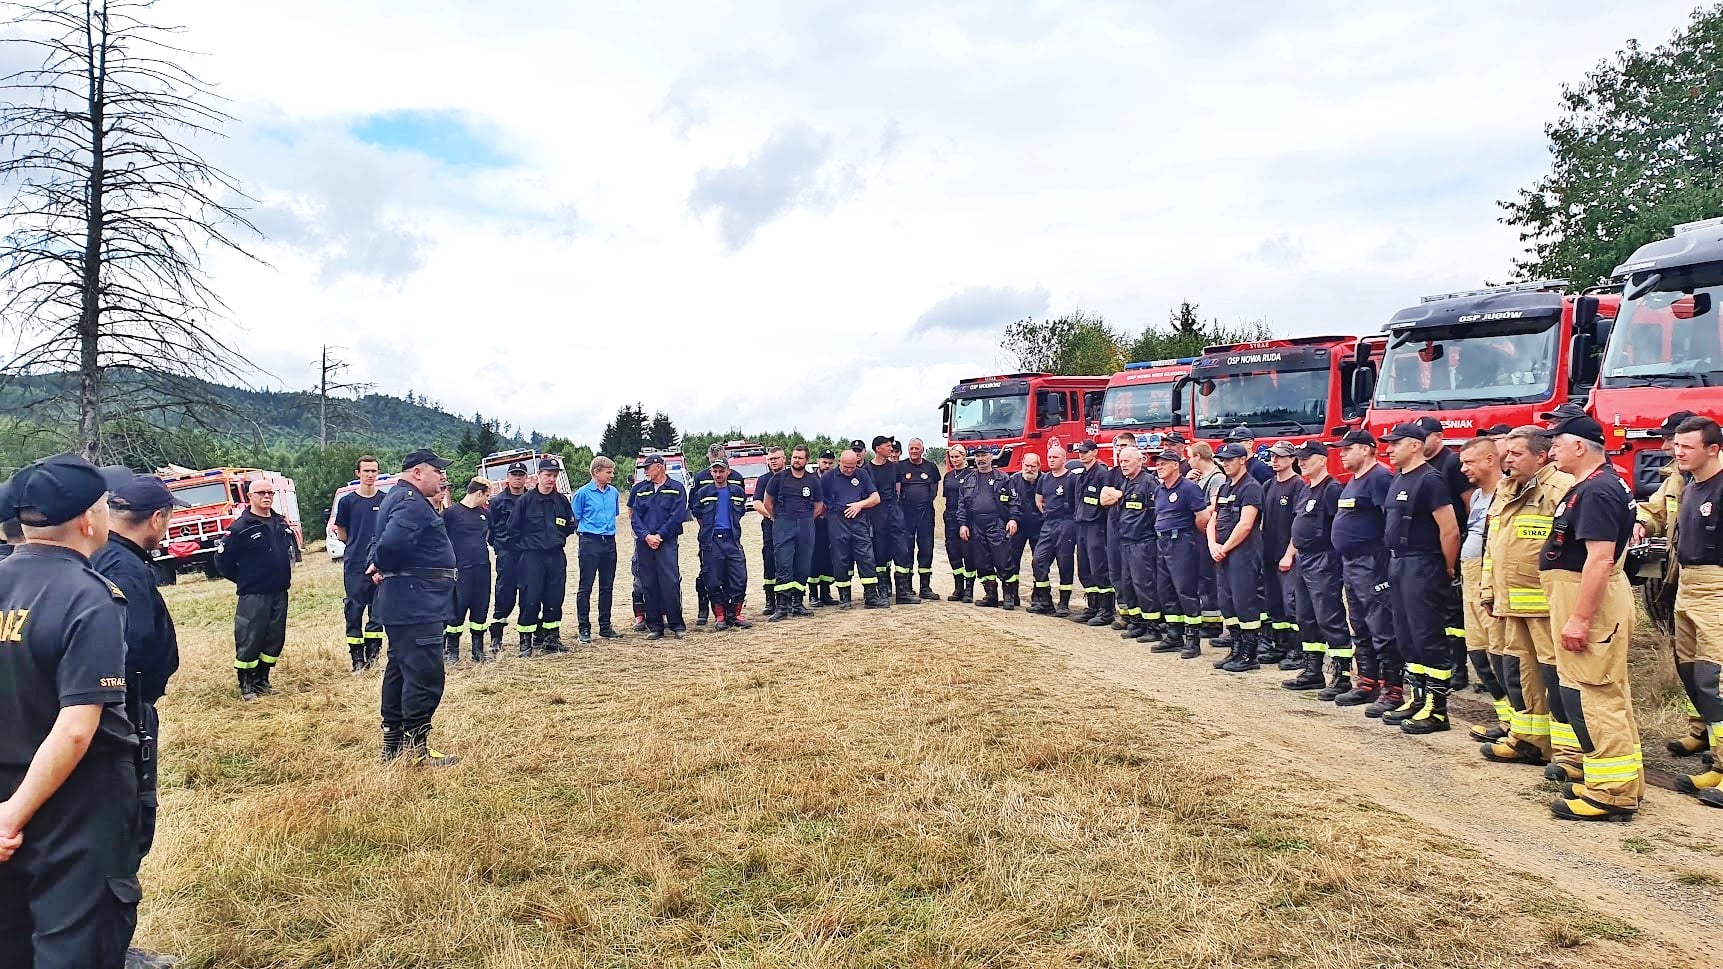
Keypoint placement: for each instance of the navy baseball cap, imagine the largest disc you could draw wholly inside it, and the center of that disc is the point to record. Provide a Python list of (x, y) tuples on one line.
[(1581, 426), (55, 490), (879, 439), (1232, 452), (517, 468), (1168, 454), (1358, 435), (1401, 432), (651, 459), (1670, 423), (1428, 426), (1172, 437), (859, 446), (1311, 449), (828, 456), (424, 455), (721, 463), (1563, 412), (1240, 433), (549, 464), (144, 493), (1084, 447)]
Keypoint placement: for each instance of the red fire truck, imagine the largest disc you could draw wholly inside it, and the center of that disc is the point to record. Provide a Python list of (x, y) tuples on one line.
[(1665, 352), (1484, 357), (1306, 389), (1017, 414), (215, 497), (747, 462), (495, 468), (1140, 401)]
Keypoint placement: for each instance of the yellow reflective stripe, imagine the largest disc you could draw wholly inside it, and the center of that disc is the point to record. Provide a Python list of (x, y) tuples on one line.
[(1316, 647), (268, 660), (1540, 725), (1152, 616), (1504, 711), (1341, 652), (1252, 626), (453, 630), (1562, 735), (551, 625), (1043, 585), (1091, 501), (1533, 527), (1520, 723), (1527, 599), (1415, 669), (1436, 674), (869, 580), (355, 641), (373, 635), (1457, 631), (526, 629), (245, 666), (477, 627), (1066, 587)]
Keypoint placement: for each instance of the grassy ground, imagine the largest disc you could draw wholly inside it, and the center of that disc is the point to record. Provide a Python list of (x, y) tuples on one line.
[(882, 789)]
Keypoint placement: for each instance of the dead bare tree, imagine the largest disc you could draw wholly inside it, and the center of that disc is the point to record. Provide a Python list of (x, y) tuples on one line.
[(328, 367), (113, 212)]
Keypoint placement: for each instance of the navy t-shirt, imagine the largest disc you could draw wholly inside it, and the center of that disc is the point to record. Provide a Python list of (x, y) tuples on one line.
[(1599, 508), (840, 489), (793, 497), (1359, 514), (358, 516), (1058, 496), (1230, 503), (1409, 523), (469, 531), (1176, 507), (1314, 511), (1277, 512)]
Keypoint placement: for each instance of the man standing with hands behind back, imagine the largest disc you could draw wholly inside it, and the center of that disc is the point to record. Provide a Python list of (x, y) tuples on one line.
[(356, 527)]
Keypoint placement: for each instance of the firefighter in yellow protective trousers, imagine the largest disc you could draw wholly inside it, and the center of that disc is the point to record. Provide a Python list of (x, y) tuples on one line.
[(1520, 519), (1699, 597), (1480, 461), (1591, 614), (1657, 518)]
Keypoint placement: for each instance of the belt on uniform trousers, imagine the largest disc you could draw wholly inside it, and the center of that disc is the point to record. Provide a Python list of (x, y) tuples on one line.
[(450, 575), (611, 536), (1173, 533)]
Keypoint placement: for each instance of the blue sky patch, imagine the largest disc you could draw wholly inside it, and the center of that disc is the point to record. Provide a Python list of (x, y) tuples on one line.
[(442, 135)]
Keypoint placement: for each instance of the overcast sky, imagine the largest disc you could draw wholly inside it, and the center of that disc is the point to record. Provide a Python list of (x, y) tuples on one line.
[(821, 214)]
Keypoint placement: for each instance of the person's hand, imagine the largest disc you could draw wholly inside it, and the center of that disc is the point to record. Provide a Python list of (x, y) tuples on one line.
[(1216, 551), (653, 541), (376, 577), (852, 509), (1286, 563), (11, 831), (1011, 528), (963, 533), (1575, 634), (1639, 531)]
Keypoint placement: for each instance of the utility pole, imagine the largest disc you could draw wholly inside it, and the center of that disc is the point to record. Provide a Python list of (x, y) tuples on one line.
[(329, 367)]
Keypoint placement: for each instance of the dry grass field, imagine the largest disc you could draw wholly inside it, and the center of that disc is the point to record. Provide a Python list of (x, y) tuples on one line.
[(929, 786)]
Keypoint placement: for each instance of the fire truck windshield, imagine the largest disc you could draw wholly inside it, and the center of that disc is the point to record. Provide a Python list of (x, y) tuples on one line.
[(209, 493), (1445, 368), (1278, 402), (1670, 335), (1142, 405), (986, 418)]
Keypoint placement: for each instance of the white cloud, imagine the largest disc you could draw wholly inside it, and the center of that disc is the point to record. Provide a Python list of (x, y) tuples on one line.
[(774, 214)]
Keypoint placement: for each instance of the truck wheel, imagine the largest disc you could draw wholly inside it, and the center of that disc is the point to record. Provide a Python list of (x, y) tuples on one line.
[(166, 573), (1658, 597)]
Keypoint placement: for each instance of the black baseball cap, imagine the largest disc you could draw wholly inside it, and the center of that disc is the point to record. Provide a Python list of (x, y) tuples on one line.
[(1312, 449), (1232, 452), (1084, 447), (1402, 432), (1358, 435), (1498, 430), (424, 455), (879, 439), (1241, 433), (828, 456), (651, 459), (549, 464), (859, 446), (1427, 426), (1580, 425), (144, 493), (1168, 454), (1563, 412), (517, 468), (55, 490), (1670, 423), (1172, 437)]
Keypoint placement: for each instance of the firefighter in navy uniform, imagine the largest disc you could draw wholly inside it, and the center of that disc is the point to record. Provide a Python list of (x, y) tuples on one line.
[(414, 565), (720, 506), (68, 753), (850, 495), (1358, 535), (1423, 538), (1091, 517), (539, 525), (1115, 550), (257, 555), (1181, 515), (1592, 614), (356, 527), (503, 505), (957, 473), (1313, 571), (657, 507), (1056, 498), (468, 525), (1026, 485), (1139, 596), (986, 519), (821, 575), (888, 533), (918, 484), (1245, 438), (1460, 488), (702, 478), (1278, 584), (1235, 545), (794, 501), (768, 548)]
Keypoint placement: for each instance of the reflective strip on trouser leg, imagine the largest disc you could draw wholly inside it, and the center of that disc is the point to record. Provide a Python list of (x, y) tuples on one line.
[(1369, 613), (1524, 640), (1595, 682), (1421, 590), (1178, 576)]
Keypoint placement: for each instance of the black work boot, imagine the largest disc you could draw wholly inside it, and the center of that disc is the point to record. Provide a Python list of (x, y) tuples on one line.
[(906, 590), (1225, 639), (818, 597), (451, 648), (991, 598), (1246, 661), (871, 594), (373, 646), (260, 679), (496, 630), (356, 653), (550, 641), (417, 746), (1010, 602), (702, 608), (1389, 697), (1411, 701), (969, 588), (1193, 647), (393, 740), (844, 601), (956, 588), (882, 577), (780, 607), (1342, 682), (797, 608), (479, 654), (1091, 608), (1432, 716), (927, 592), (247, 685), (1173, 643), (1293, 656), (826, 595), (526, 644), (1106, 616), (1310, 676), (1234, 641), (1272, 648), (1063, 609), (1363, 692)]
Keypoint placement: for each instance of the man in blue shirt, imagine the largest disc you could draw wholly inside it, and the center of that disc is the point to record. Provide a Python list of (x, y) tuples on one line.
[(595, 507), (719, 505), (656, 509), (356, 527)]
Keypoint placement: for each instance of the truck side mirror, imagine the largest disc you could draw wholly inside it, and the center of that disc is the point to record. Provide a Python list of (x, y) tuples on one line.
[(1584, 314), (1363, 384), (1579, 359)]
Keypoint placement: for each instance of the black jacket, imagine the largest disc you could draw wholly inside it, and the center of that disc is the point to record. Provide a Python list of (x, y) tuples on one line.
[(411, 536), (152, 645), (258, 554)]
